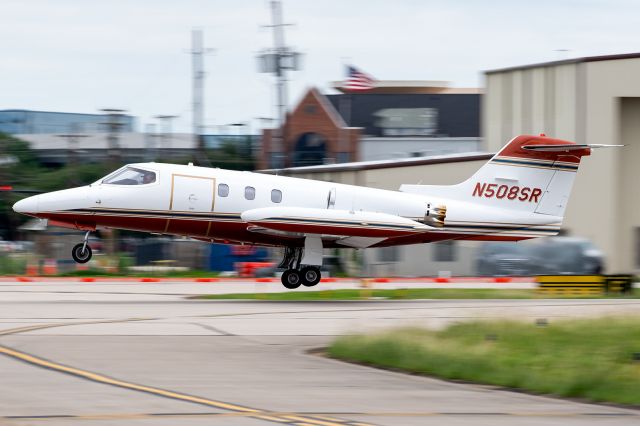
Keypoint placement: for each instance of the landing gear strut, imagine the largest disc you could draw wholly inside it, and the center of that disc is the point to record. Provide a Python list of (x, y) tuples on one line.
[(81, 252), (294, 259)]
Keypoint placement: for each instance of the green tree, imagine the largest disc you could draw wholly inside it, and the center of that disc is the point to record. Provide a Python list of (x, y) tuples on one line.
[(24, 172)]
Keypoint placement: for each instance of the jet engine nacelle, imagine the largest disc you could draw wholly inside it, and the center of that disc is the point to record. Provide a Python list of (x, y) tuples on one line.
[(435, 215)]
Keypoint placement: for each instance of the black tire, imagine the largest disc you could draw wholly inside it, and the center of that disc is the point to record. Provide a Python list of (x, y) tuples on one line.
[(291, 279), (79, 255), (310, 276)]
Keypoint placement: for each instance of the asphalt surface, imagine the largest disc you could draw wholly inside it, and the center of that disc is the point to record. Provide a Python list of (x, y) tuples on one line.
[(142, 354)]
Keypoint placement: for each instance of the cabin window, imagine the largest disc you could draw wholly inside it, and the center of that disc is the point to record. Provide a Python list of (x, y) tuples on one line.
[(249, 192), (276, 195), (131, 176), (223, 190)]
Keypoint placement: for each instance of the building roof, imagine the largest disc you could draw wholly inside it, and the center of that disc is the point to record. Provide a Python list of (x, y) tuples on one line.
[(384, 164), (96, 114), (567, 61), (409, 87), (333, 114)]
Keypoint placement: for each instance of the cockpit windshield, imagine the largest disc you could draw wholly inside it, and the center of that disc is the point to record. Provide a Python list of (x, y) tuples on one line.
[(131, 176)]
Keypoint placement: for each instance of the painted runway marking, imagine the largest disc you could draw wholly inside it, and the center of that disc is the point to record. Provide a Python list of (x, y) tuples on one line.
[(289, 419)]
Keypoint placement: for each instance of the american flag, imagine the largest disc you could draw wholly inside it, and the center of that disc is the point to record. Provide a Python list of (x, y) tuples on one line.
[(357, 80)]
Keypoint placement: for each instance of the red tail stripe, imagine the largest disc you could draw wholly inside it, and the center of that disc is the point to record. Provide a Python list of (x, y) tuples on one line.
[(514, 149)]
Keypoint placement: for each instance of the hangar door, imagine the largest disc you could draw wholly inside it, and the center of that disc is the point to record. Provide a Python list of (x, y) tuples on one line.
[(192, 193)]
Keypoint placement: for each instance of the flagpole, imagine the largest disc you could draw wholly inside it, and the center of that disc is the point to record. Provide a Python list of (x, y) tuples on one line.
[(342, 136), (345, 111), (356, 81), (349, 102)]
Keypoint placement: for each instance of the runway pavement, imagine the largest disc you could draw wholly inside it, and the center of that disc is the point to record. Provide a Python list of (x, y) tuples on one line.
[(142, 354)]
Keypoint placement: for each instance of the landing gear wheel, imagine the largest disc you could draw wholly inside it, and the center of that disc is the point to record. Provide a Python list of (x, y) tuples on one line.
[(81, 253), (291, 279), (310, 276)]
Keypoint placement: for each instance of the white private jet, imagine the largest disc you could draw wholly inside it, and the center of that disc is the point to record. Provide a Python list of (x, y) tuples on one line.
[(521, 193)]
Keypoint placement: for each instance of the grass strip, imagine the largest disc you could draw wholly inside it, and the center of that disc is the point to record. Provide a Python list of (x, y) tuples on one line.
[(594, 359), (402, 293)]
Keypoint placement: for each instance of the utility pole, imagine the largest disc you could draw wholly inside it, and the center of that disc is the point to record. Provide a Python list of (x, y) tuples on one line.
[(197, 91), (114, 124), (278, 61)]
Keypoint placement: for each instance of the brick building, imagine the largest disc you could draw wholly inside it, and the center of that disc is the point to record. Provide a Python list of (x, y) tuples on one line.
[(394, 119), (314, 133)]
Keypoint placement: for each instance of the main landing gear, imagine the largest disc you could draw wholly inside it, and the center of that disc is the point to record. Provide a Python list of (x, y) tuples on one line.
[(295, 257), (81, 252), (307, 276)]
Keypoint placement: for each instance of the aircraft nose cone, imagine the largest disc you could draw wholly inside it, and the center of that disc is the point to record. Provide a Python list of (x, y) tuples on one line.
[(28, 205)]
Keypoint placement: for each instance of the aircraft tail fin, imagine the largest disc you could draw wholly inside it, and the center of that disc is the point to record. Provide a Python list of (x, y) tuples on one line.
[(532, 174)]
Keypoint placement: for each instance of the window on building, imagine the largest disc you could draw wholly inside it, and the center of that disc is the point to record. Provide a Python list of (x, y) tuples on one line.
[(249, 192), (223, 190), (343, 157), (445, 251), (276, 160), (276, 195), (389, 254)]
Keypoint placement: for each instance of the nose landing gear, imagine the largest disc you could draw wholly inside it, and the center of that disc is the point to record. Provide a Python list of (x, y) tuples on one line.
[(81, 252)]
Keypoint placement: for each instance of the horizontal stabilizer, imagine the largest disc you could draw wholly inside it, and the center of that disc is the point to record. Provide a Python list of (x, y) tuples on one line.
[(565, 147)]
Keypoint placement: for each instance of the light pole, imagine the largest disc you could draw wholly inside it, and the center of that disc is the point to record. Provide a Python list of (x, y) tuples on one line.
[(113, 123)]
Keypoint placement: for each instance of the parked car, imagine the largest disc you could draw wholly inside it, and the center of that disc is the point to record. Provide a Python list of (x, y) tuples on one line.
[(567, 255), (548, 256)]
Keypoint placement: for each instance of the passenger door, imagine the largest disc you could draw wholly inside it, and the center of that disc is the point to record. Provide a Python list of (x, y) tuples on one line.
[(192, 202), (192, 193)]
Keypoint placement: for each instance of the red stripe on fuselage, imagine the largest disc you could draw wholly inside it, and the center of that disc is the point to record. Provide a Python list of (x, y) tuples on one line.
[(236, 231)]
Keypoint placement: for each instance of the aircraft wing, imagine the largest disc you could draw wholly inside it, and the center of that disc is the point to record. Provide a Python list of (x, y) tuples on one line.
[(354, 228)]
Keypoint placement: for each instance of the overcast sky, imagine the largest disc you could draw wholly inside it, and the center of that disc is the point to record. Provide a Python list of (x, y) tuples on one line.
[(79, 55)]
